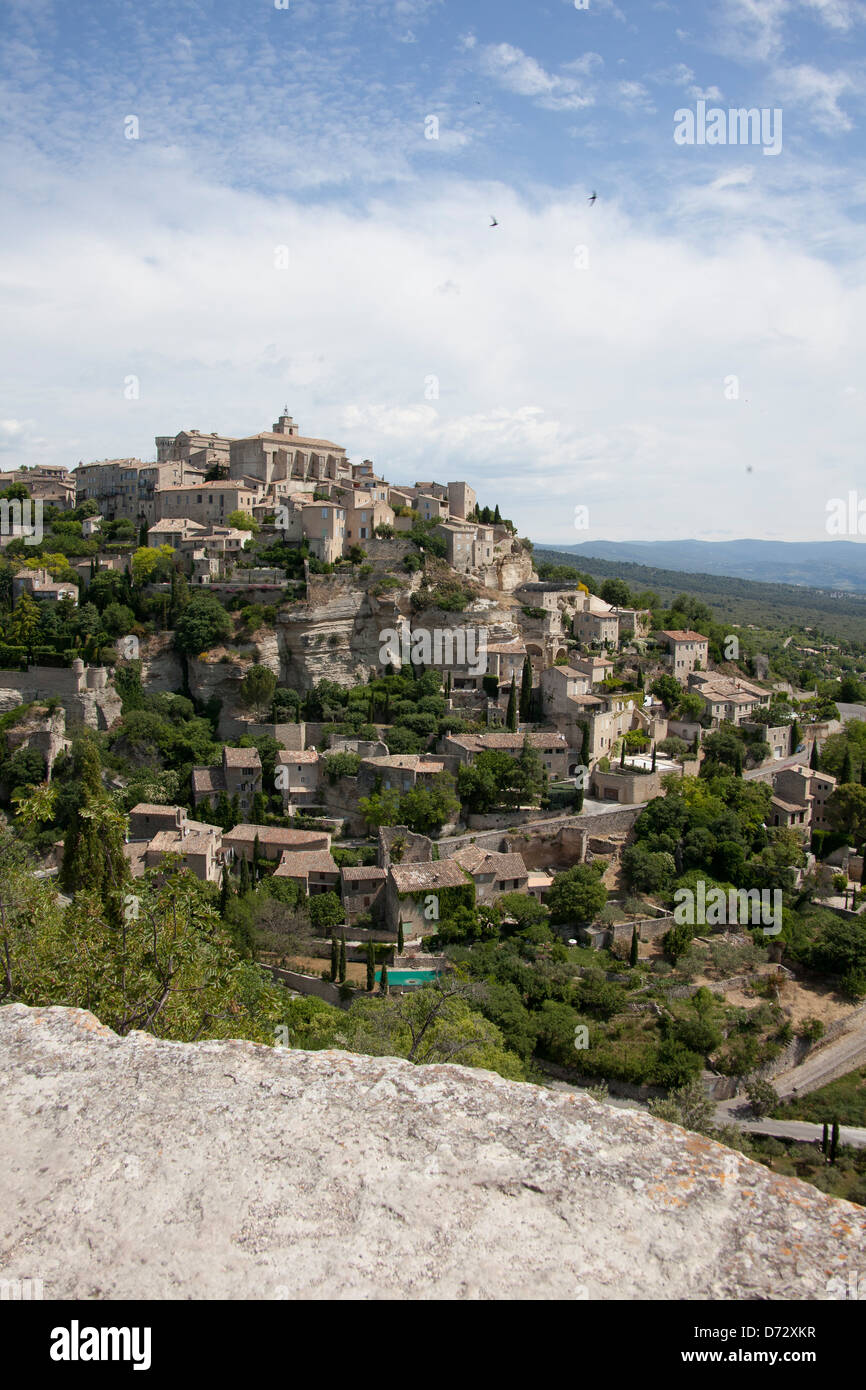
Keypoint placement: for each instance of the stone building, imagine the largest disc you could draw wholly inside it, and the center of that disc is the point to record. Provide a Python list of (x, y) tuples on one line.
[(274, 841), (493, 874), (208, 503), (686, 651), (362, 889), (238, 775), (420, 895), (314, 870), (281, 453), (298, 778)]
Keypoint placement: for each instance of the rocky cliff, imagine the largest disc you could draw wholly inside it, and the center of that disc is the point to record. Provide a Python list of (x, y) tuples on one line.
[(137, 1168)]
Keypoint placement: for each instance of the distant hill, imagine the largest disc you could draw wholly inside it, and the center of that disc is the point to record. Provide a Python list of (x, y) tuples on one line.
[(830, 565), (777, 606)]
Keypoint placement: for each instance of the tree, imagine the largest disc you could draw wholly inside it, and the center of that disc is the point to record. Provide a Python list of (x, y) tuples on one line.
[(577, 895), (634, 953), (847, 773), (244, 879), (834, 1141), (341, 973), (511, 712), (526, 690), (616, 592), (257, 690), (93, 857), (24, 624), (203, 623), (814, 759), (668, 690), (335, 960), (242, 521), (371, 968), (762, 1097), (148, 562), (846, 811), (326, 911), (677, 940), (383, 979), (401, 940), (585, 746), (225, 890)]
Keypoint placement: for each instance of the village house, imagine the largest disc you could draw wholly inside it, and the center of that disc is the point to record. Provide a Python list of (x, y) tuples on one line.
[(238, 775), (298, 777), (728, 699), (551, 747), (363, 516), (324, 525), (200, 451), (51, 484), (493, 874), (800, 797), (208, 503), (39, 585), (198, 846), (274, 841), (362, 888), (129, 488), (420, 895), (314, 870), (400, 772), (686, 651)]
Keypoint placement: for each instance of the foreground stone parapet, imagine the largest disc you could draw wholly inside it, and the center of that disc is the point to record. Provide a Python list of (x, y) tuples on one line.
[(131, 1167)]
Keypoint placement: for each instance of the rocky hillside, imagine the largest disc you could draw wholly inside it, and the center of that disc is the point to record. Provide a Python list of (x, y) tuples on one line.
[(226, 1169)]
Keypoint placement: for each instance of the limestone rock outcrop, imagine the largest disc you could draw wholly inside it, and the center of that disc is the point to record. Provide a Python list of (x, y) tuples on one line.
[(131, 1167)]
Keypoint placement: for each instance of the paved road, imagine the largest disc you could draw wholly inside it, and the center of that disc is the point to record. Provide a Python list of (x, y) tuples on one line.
[(799, 1129)]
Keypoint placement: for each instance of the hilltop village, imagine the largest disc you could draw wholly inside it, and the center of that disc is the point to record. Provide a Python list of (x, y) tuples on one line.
[(384, 744)]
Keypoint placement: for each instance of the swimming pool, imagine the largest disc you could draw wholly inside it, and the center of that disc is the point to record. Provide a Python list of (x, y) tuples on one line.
[(408, 977)]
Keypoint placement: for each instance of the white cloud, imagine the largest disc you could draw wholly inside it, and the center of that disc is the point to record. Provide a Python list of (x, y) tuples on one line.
[(517, 72), (818, 91)]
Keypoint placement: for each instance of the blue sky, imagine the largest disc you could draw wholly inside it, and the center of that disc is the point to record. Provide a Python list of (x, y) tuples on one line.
[(683, 358)]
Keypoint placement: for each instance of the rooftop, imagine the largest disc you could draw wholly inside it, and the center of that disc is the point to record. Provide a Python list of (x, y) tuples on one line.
[(415, 878)]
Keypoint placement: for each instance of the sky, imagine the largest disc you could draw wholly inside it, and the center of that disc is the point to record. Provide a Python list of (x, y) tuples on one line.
[(213, 209)]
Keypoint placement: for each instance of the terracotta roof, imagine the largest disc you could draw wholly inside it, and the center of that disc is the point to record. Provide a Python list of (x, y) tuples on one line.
[(301, 865), (478, 742), (365, 872), (241, 757), (208, 779), (292, 440), (298, 755), (276, 835), (683, 635), (415, 878), (151, 808), (479, 861)]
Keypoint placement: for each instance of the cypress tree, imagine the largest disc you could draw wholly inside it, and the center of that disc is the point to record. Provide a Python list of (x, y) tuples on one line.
[(796, 736), (738, 764), (93, 855), (584, 747), (497, 519), (244, 880), (846, 774), (511, 713), (341, 972), (825, 1140), (834, 1141), (236, 810), (526, 689), (578, 801), (224, 890), (814, 759), (653, 768), (622, 753), (863, 773), (634, 953), (335, 959), (639, 679), (400, 937), (371, 968), (257, 851), (448, 686), (383, 979), (696, 744)]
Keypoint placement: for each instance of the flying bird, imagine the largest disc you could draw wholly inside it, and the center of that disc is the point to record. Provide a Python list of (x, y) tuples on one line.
[(493, 221), (591, 200)]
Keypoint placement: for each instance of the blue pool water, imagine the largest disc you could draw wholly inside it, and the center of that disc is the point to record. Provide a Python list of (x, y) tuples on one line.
[(408, 977)]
